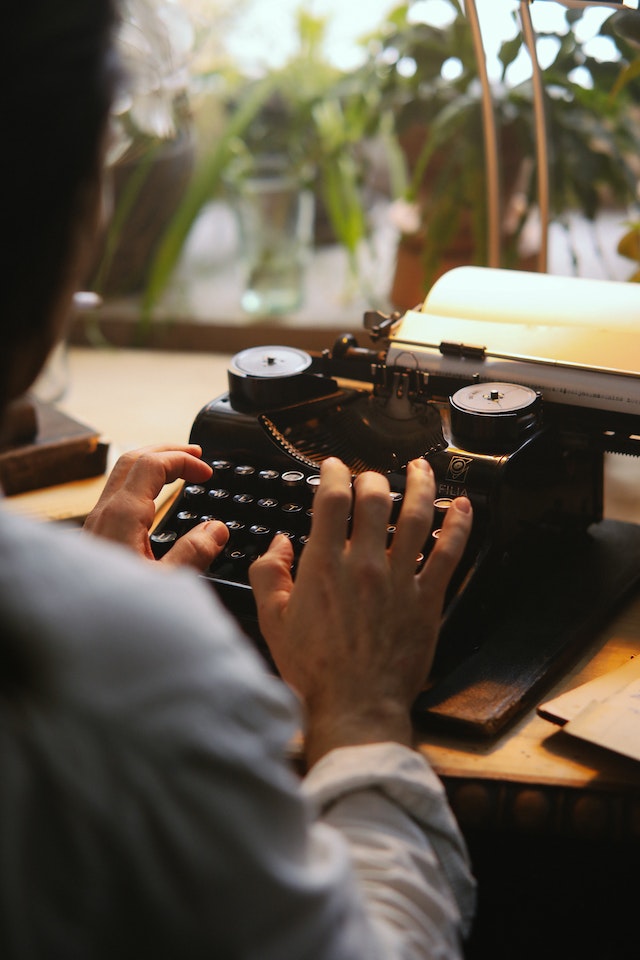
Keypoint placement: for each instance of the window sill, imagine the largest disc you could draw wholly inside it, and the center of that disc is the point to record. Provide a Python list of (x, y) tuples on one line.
[(201, 309)]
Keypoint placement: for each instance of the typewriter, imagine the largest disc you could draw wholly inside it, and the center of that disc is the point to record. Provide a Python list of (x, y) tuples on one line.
[(514, 386)]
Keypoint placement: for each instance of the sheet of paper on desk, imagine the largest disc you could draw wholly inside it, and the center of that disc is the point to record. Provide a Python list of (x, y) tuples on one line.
[(613, 723), (605, 711), (570, 704)]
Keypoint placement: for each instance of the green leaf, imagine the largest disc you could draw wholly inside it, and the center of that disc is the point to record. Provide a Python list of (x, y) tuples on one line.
[(204, 184)]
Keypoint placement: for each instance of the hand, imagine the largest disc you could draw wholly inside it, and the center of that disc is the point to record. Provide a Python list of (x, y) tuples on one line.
[(126, 510), (356, 634)]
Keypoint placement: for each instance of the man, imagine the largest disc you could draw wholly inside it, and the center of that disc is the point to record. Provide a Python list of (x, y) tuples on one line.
[(147, 807)]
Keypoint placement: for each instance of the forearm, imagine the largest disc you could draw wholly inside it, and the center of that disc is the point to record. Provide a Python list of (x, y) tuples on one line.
[(407, 853)]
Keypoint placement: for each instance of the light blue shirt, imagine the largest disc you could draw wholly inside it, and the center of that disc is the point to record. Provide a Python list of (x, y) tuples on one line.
[(147, 805)]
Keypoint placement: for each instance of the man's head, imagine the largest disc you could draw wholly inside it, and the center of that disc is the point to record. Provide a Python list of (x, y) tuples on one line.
[(58, 72)]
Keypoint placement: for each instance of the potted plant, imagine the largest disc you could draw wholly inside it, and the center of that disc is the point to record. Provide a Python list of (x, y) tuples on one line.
[(438, 123)]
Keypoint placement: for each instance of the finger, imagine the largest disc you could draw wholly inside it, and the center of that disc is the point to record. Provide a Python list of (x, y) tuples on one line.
[(272, 570), (449, 547), (331, 507), (152, 470), (371, 511), (271, 581), (127, 460), (128, 500), (199, 547), (416, 516)]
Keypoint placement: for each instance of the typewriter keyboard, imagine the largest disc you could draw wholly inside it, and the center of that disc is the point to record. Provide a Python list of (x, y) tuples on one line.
[(256, 503)]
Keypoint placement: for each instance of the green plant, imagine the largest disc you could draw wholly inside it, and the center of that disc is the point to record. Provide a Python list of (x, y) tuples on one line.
[(167, 50), (307, 111), (150, 131), (594, 138)]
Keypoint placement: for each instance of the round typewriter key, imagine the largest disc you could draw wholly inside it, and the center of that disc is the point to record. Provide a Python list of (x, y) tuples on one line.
[(219, 500), (436, 533), (244, 471), (292, 478), (187, 519), (161, 542), (259, 530), (267, 503), (396, 501), (313, 482), (164, 536), (294, 511), (219, 493), (243, 500), (234, 526), (286, 533), (391, 529), (442, 503), (267, 483), (194, 490), (236, 554), (221, 468)]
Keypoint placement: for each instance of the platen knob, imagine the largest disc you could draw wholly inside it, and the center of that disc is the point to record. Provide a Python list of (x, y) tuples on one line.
[(272, 376), (494, 416)]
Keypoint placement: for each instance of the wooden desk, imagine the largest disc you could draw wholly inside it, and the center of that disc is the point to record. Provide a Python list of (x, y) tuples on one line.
[(532, 778)]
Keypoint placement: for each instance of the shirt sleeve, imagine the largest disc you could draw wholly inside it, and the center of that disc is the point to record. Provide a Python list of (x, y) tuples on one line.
[(407, 851)]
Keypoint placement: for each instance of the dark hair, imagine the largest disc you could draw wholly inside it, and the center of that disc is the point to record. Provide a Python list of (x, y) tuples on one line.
[(58, 73)]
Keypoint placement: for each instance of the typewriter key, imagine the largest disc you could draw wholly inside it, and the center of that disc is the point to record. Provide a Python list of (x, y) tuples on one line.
[(260, 530), (221, 468), (396, 502), (267, 503), (243, 500), (267, 482), (219, 493), (235, 526), (194, 490), (220, 502), (161, 542), (294, 512), (292, 478), (186, 520), (244, 472), (313, 482)]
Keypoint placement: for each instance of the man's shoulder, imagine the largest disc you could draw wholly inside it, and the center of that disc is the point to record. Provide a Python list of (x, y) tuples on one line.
[(74, 594), (50, 561), (112, 631)]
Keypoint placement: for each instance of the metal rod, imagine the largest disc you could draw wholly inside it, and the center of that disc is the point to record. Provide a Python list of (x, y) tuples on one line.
[(542, 150), (492, 163)]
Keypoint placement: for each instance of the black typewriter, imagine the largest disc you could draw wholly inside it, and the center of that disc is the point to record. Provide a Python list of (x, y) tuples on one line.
[(541, 570)]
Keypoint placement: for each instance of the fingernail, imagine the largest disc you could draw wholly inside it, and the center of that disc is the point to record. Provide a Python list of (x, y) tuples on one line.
[(462, 504), (421, 464)]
